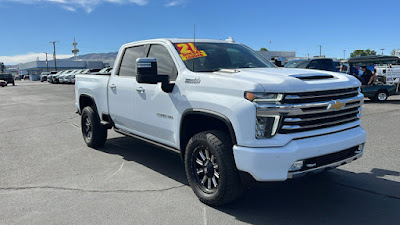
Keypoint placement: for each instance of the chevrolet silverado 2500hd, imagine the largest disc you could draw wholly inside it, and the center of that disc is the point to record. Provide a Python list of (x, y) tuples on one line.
[(226, 110)]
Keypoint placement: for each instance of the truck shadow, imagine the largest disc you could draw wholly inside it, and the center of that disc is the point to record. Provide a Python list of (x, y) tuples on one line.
[(335, 197)]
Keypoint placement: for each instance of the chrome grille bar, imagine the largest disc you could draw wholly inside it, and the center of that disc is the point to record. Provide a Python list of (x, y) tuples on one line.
[(295, 97), (294, 127), (356, 110)]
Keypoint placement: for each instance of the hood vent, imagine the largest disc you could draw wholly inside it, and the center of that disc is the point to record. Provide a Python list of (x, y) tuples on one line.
[(312, 76)]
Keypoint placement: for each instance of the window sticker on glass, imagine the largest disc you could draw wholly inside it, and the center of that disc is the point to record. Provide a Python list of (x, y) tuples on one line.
[(189, 51)]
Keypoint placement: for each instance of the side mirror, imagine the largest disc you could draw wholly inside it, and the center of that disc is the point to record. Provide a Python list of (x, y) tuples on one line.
[(146, 71)]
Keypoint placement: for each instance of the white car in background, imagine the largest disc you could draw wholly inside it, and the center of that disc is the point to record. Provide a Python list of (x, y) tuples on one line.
[(70, 78)]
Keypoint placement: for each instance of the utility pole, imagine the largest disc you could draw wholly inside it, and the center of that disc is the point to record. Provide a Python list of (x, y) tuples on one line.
[(344, 54), (382, 50), (320, 50), (47, 62), (54, 53)]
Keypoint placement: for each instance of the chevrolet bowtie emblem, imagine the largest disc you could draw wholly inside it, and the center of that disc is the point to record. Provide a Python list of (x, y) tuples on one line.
[(336, 105)]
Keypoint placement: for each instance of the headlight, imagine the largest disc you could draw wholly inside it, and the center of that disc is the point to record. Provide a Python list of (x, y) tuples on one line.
[(263, 97), (266, 126)]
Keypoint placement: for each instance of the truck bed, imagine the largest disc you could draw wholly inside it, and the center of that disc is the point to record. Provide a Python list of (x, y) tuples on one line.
[(94, 86)]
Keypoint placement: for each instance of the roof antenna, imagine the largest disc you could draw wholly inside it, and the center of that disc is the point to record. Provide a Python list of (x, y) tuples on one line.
[(194, 43)]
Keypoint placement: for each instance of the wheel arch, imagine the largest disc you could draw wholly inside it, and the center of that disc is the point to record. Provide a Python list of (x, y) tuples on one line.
[(207, 120), (86, 100)]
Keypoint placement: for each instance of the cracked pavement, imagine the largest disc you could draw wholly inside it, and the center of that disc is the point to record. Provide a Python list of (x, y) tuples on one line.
[(49, 176)]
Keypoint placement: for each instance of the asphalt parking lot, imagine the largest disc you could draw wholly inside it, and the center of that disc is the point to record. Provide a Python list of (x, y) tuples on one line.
[(49, 176)]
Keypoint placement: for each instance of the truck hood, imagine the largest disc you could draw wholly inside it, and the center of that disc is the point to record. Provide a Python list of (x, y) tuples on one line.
[(286, 80)]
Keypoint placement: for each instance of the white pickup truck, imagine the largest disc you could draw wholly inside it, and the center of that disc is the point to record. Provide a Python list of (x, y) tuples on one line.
[(229, 112)]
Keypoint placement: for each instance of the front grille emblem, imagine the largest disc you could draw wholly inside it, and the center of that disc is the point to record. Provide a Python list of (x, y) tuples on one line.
[(336, 105)]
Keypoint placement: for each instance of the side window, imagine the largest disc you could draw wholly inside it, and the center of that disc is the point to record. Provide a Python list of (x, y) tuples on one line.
[(128, 64), (326, 65), (313, 65), (165, 64)]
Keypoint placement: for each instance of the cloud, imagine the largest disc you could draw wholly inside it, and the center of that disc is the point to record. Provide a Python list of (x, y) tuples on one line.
[(29, 57), (174, 3), (87, 5)]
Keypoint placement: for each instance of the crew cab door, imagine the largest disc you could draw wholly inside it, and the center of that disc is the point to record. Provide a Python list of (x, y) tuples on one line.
[(155, 110), (122, 89)]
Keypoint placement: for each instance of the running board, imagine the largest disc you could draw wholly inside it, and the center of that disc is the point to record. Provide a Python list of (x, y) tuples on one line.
[(127, 133)]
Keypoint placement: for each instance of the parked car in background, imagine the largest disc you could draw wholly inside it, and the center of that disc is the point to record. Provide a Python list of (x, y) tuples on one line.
[(17, 77), (57, 76), (89, 71), (50, 76), (70, 78), (26, 77), (3, 83), (380, 89), (46, 77), (8, 78), (315, 63), (104, 71), (43, 76)]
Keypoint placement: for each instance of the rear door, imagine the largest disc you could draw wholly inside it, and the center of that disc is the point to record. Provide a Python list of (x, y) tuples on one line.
[(121, 89)]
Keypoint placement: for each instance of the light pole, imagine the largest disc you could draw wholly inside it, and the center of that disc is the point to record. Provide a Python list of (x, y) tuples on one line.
[(47, 62), (344, 54), (382, 50), (320, 50), (54, 53)]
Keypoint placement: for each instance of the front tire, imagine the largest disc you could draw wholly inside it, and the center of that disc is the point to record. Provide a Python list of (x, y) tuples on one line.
[(94, 134), (211, 170)]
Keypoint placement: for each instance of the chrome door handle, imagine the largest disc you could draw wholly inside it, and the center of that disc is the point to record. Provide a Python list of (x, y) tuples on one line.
[(140, 90), (112, 86)]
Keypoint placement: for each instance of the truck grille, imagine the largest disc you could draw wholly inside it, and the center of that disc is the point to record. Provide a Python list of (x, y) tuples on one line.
[(319, 96), (316, 112)]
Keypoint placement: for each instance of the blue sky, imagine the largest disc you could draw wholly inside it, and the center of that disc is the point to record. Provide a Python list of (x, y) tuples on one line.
[(104, 25)]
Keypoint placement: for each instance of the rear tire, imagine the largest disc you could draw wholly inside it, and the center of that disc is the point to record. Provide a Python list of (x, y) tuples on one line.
[(94, 134), (211, 170), (381, 96)]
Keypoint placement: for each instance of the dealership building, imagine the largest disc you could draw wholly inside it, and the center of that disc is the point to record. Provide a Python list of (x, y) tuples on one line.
[(35, 68)]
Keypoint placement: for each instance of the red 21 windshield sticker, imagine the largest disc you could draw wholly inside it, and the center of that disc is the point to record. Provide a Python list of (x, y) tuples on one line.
[(189, 51)]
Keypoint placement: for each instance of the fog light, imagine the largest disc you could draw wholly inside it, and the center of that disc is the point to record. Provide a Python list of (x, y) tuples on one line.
[(296, 166), (360, 149)]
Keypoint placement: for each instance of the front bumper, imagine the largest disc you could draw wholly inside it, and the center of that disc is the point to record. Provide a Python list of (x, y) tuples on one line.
[(273, 164)]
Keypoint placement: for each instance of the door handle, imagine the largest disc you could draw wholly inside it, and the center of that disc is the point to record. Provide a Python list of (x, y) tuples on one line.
[(112, 86), (140, 90)]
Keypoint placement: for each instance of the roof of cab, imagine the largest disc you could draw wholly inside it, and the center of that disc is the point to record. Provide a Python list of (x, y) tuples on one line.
[(176, 40)]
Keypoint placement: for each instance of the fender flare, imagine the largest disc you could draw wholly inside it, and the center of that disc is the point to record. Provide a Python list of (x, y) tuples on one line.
[(213, 114)]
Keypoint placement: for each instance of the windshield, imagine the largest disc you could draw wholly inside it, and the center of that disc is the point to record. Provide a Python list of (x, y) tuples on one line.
[(208, 57), (297, 64)]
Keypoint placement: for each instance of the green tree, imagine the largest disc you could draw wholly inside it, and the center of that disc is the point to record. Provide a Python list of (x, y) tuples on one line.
[(358, 53), (263, 49)]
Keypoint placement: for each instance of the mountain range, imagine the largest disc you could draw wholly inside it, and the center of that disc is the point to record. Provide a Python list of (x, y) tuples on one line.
[(97, 56)]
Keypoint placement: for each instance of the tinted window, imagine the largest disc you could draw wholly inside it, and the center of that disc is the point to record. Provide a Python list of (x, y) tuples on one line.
[(297, 64), (128, 64), (326, 65), (313, 65), (165, 64)]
